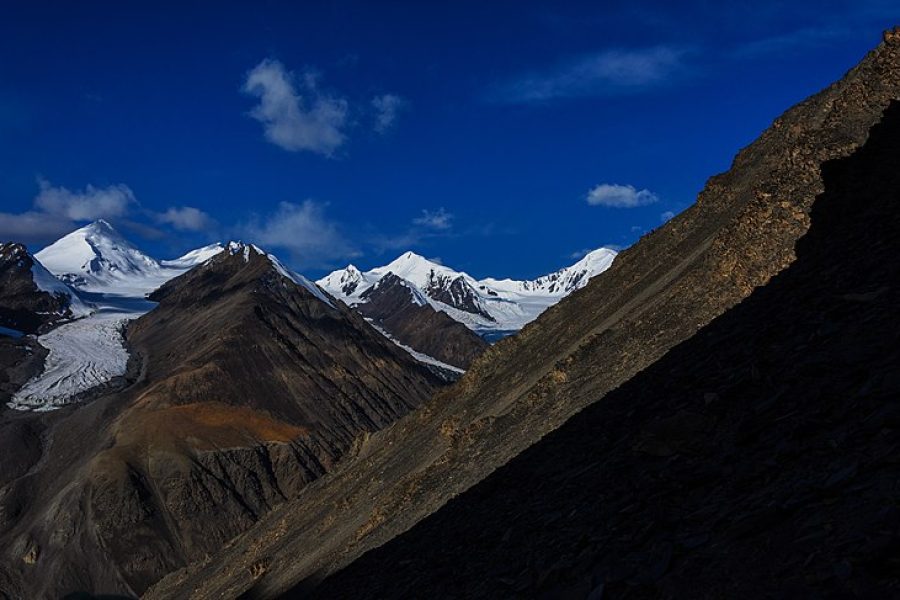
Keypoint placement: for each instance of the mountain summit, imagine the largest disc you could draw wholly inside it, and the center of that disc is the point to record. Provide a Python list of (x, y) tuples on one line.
[(97, 258)]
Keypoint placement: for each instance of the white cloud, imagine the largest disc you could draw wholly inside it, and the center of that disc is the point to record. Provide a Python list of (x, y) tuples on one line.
[(32, 226), (387, 109), (603, 73), (312, 121), (304, 231), (186, 218), (619, 196), (440, 219), (57, 210), (666, 216), (86, 205)]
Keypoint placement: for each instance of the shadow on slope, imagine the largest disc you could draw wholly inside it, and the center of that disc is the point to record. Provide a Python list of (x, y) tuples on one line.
[(759, 457)]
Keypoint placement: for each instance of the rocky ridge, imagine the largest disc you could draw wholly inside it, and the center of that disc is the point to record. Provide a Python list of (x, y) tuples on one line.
[(246, 383), (740, 234)]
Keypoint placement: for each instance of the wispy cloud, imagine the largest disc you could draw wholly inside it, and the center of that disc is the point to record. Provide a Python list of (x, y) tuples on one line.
[(387, 109), (304, 231), (429, 225), (85, 205), (439, 219), (805, 38), (604, 73), (666, 216), (56, 210), (186, 218), (295, 113), (619, 196), (32, 226)]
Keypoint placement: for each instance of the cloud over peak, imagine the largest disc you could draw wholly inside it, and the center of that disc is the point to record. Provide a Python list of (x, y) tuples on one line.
[(619, 196), (86, 205), (304, 120), (304, 231), (438, 219), (56, 210)]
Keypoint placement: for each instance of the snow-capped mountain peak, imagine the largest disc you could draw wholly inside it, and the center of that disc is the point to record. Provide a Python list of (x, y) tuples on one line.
[(417, 269), (346, 283), (97, 258), (94, 256)]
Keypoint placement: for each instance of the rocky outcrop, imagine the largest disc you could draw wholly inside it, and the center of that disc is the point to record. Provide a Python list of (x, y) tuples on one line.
[(393, 305), (24, 306), (742, 232), (456, 292)]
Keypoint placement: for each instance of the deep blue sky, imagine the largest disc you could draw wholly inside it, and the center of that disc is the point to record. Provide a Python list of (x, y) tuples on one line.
[(506, 115)]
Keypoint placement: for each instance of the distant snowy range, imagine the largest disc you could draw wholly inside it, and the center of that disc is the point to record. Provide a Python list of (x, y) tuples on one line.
[(108, 279), (493, 308)]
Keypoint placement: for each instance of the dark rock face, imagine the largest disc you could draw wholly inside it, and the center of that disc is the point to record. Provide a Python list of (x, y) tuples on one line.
[(457, 293), (245, 387), (756, 459), (23, 306), (658, 294), (391, 305), (20, 360)]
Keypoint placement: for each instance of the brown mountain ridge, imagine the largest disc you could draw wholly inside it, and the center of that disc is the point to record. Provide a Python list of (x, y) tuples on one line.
[(742, 232), (244, 387)]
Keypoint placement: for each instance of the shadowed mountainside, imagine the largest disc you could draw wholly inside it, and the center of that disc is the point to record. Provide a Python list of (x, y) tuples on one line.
[(759, 457), (741, 232)]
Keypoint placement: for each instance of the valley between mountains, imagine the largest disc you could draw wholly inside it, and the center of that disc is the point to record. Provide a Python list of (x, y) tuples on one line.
[(711, 412), (159, 408)]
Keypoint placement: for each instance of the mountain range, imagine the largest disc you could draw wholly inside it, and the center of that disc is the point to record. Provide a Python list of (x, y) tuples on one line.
[(710, 413), (238, 379), (490, 307)]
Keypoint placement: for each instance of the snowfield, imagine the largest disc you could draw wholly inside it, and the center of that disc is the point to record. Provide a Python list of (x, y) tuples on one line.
[(83, 354)]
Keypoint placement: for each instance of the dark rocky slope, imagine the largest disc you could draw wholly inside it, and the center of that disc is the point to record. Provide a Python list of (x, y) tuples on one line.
[(391, 304), (758, 458), (245, 387), (741, 232), (23, 306)]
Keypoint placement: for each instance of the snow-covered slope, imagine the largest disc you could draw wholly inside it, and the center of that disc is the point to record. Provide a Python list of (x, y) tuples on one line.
[(488, 306), (562, 282), (194, 257), (96, 258), (48, 282)]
